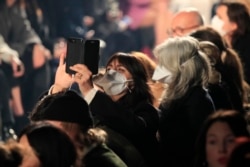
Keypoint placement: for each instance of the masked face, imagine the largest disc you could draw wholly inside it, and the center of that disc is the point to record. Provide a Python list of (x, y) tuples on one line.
[(162, 74), (113, 82), (217, 24)]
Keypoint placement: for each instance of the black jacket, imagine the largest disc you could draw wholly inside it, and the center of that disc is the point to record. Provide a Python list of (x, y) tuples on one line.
[(180, 124), (241, 45), (138, 122), (220, 96)]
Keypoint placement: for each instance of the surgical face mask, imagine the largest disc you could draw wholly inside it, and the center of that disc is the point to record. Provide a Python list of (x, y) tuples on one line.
[(217, 24), (162, 74), (113, 82)]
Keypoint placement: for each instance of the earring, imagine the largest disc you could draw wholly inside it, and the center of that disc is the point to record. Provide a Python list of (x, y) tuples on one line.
[(204, 164), (129, 90)]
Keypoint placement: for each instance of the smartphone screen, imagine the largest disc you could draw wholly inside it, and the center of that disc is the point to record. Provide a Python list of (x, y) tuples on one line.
[(91, 55), (75, 53)]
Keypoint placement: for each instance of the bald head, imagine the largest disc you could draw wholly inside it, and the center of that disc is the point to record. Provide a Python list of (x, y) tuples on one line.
[(186, 21)]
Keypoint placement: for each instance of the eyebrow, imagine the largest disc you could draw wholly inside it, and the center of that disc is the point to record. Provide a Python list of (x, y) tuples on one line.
[(213, 135), (118, 65)]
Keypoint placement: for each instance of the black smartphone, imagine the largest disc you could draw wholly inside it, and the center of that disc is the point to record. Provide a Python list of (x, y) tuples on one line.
[(91, 55), (75, 53)]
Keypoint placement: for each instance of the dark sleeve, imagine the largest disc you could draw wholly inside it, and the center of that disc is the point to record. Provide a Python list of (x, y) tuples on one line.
[(220, 96), (198, 110), (127, 121), (241, 46)]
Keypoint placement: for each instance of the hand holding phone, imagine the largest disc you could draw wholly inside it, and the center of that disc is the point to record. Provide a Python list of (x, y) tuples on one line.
[(82, 52), (75, 53), (91, 55)]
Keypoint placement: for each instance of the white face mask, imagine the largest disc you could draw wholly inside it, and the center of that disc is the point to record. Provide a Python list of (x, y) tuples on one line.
[(162, 74), (217, 24), (113, 82)]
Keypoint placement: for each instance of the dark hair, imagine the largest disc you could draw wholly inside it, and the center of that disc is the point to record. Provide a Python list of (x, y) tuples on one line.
[(232, 65), (237, 13), (240, 155), (11, 154), (52, 146), (212, 51), (58, 107), (141, 89), (206, 33), (235, 121)]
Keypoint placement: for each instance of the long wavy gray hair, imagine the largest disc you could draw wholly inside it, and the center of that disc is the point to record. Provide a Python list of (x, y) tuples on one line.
[(188, 65)]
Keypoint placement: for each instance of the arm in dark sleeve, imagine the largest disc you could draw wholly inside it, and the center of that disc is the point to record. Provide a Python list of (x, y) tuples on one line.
[(125, 120)]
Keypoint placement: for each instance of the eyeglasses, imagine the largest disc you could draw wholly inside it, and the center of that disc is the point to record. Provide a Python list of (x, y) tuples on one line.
[(179, 30)]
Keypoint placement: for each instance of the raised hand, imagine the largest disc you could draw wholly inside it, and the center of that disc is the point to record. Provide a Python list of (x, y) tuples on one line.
[(63, 80), (83, 77)]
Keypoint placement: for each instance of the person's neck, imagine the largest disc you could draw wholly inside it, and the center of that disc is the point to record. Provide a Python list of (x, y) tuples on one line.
[(228, 39), (117, 97)]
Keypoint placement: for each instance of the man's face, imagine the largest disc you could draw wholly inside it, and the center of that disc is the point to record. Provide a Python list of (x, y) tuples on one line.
[(183, 24)]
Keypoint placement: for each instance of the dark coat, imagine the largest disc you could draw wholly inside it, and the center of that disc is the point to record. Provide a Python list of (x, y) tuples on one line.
[(220, 96), (180, 124), (138, 122), (241, 46), (102, 156)]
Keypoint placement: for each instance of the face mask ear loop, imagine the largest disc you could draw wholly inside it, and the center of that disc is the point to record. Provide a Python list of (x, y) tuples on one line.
[(129, 90)]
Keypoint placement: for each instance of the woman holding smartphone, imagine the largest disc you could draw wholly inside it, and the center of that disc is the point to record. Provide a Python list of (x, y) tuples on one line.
[(124, 105)]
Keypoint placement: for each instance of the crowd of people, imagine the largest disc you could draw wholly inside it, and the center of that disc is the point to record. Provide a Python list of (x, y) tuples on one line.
[(181, 102)]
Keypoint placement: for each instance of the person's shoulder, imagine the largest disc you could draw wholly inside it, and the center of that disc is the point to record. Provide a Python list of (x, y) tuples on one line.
[(144, 104), (242, 40), (198, 91), (199, 96), (101, 97), (103, 156)]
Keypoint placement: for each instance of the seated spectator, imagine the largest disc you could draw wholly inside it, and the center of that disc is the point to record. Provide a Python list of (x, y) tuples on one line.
[(90, 142), (216, 88), (37, 12), (20, 36), (50, 145), (218, 136), (185, 103), (231, 69), (232, 21), (185, 21), (125, 107)]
